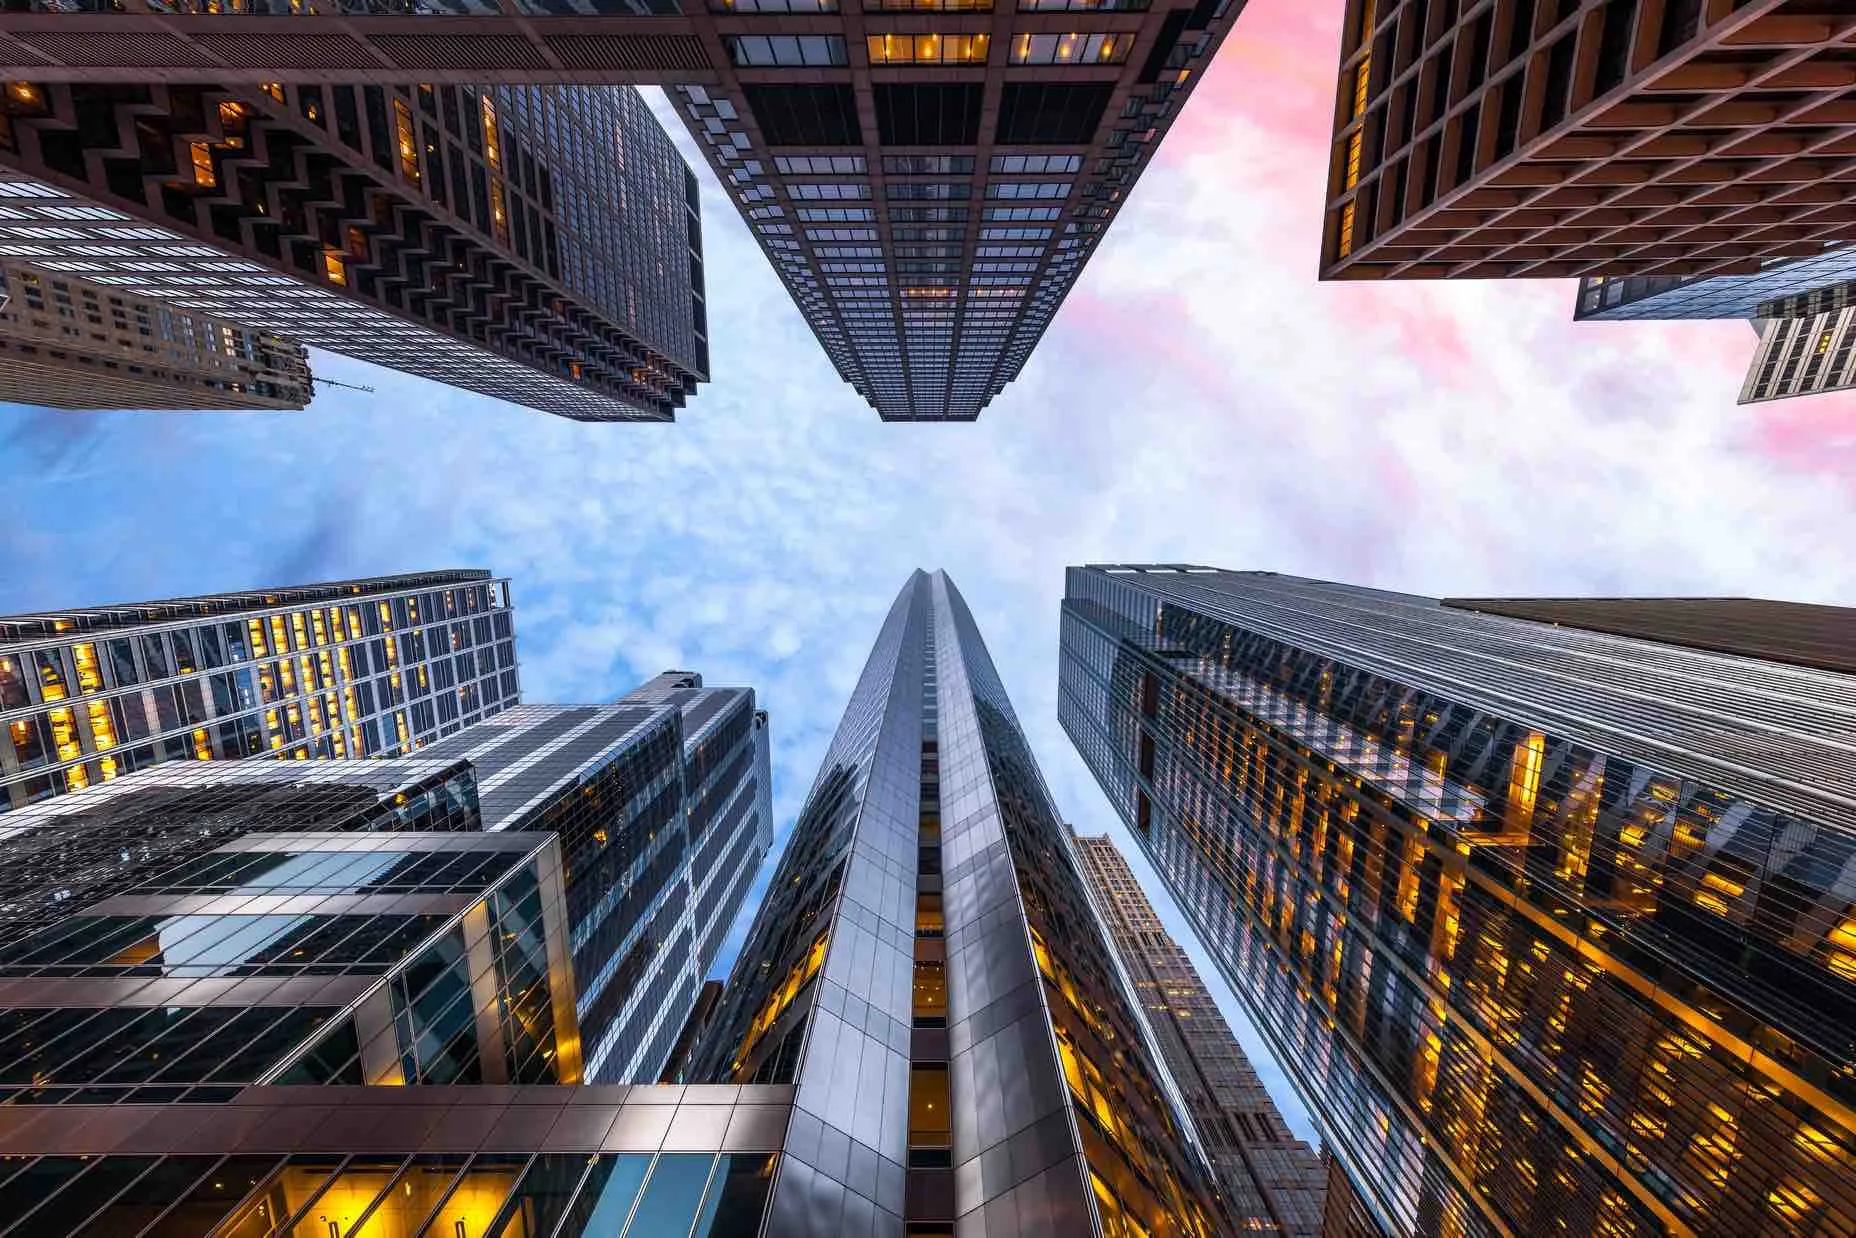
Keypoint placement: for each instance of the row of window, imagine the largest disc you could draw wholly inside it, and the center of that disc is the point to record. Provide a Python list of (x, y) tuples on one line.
[(757, 51)]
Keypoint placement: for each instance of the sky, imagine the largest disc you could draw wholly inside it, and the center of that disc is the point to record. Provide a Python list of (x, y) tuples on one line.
[(1199, 398)]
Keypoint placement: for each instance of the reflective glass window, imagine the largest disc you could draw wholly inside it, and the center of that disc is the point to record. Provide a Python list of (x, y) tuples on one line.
[(737, 1196), (673, 1196), (541, 1197), (213, 1197), (606, 1197), (148, 1196), (476, 1197)]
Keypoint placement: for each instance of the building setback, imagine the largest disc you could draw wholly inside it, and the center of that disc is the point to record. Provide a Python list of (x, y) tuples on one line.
[(929, 973), (69, 343), (928, 177), (344, 669), (662, 802), (1273, 1182), (1615, 137), (1549, 922), (540, 245)]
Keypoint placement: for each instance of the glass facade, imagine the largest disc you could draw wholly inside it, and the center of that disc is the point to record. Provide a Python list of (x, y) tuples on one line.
[(396, 943), (1802, 356), (929, 973), (537, 244), (662, 804), (338, 998), (69, 343), (345, 669), (1659, 298), (1549, 927), (1273, 1182), (928, 179)]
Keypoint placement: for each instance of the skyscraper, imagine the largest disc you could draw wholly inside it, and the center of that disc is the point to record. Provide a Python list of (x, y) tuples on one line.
[(305, 1018), (69, 343), (927, 176), (1514, 138), (662, 802), (1802, 356), (1543, 906), (541, 245), (348, 668), (1273, 1182), (930, 975)]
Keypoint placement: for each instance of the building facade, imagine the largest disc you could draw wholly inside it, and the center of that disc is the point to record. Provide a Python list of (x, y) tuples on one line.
[(1802, 356), (663, 806), (1273, 1182), (928, 177), (345, 669), (540, 245), (1551, 927), (1657, 138), (69, 343), (346, 922), (929, 974), (308, 1018)]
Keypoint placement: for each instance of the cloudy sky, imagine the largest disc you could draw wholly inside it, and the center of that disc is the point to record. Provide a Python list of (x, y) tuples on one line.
[(1200, 397)]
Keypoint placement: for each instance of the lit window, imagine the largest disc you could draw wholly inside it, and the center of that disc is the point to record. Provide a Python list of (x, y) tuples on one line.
[(928, 48), (1071, 48)]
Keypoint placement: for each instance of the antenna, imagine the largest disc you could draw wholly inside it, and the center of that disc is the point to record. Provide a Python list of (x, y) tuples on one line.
[(330, 382)]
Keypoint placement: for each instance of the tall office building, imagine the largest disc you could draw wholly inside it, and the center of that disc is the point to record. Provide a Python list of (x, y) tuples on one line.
[(540, 245), (1273, 1182), (927, 176), (663, 805), (349, 668), (1543, 905), (69, 343), (221, 1038), (929, 973), (1617, 137)]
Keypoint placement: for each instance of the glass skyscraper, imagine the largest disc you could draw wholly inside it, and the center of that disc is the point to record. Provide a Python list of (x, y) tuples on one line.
[(1545, 907), (538, 244), (662, 802), (343, 669), (68, 343), (929, 974), (327, 1003), (1273, 1182)]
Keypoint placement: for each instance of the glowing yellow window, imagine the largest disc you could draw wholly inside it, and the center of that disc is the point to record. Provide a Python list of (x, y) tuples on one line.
[(335, 266), (929, 1108), (1346, 230), (492, 149), (499, 215), (408, 142)]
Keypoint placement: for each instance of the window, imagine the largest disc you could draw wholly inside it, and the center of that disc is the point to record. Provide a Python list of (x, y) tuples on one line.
[(1037, 164), (930, 1129), (928, 48), (1071, 48), (785, 50)]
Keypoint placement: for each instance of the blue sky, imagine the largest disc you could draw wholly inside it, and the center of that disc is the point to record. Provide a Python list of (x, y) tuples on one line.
[(1198, 398)]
